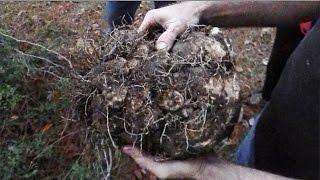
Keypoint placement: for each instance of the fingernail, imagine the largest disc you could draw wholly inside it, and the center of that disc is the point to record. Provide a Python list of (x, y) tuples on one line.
[(127, 149), (139, 29), (162, 46)]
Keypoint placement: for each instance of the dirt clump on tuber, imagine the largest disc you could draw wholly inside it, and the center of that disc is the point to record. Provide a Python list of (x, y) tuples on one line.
[(174, 104)]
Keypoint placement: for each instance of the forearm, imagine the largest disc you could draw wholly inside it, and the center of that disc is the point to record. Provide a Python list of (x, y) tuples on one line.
[(224, 170), (201, 168), (257, 13)]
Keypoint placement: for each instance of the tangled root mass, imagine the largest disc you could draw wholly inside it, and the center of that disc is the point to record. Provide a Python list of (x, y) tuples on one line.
[(174, 104)]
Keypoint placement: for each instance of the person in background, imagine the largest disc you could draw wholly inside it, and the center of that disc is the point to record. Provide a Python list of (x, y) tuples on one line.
[(118, 13), (284, 142)]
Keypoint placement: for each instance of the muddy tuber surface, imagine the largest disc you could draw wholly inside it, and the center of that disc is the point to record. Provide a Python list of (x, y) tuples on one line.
[(174, 105)]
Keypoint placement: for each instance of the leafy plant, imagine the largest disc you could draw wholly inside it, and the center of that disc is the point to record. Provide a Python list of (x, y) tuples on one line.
[(16, 158), (5, 46), (80, 172), (8, 97)]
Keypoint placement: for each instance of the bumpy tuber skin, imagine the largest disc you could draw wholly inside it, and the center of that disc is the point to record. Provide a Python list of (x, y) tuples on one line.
[(171, 100), (158, 100)]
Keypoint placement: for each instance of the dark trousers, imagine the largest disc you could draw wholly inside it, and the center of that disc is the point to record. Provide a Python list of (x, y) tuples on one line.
[(122, 12), (287, 39), (287, 135)]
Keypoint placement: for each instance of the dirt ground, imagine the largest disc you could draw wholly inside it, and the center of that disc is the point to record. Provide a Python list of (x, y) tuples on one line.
[(42, 132)]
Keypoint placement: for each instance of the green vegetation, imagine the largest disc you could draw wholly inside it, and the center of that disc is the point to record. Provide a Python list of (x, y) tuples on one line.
[(38, 136), (8, 97), (16, 158), (31, 103)]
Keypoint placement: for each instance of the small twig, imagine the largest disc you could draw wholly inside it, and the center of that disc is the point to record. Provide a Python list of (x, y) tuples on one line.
[(126, 130), (64, 128), (40, 46), (141, 138), (204, 117), (109, 167), (108, 160), (51, 145), (151, 118), (38, 57), (108, 129), (99, 158), (164, 130), (85, 107), (186, 135), (51, 73), (187, 85)]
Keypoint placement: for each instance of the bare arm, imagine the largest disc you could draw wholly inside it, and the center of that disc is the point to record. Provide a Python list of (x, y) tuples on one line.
[(224, 170), (177, 18), (259, 13), (203, 168)]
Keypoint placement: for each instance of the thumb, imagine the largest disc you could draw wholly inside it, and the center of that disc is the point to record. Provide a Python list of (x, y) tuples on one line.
[(167, 38)]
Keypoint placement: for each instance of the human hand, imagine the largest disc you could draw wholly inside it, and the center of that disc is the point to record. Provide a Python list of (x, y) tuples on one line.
[(201, 168), (191, 169), (175, 19)]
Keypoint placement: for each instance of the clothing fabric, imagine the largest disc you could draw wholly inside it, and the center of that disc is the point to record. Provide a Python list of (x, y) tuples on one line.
[(119, 12), (287, 134), (245, 153), (122, 12), (286, 41)]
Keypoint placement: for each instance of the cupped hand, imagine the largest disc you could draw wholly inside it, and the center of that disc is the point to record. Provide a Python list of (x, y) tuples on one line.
[(175, 19), (165, 169)]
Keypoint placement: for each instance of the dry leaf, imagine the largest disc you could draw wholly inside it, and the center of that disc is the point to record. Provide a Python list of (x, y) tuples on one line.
[(46, 127)]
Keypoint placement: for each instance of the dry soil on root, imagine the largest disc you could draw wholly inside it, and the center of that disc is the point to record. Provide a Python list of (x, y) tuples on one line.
[(174, 104)]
